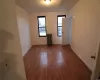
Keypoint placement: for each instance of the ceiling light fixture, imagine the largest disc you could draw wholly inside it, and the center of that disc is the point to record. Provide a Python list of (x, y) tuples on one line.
[(47, 1)]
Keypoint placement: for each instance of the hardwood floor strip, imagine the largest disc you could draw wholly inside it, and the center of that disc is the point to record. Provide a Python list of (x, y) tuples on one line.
[(54, 63)]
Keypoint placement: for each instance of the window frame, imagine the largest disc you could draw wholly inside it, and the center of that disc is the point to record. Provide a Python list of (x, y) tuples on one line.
[(57, 23), (41, 27)]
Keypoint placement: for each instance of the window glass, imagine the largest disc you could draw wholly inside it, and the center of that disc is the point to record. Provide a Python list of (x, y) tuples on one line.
[(59, 25), (42, 22), (42, 26)]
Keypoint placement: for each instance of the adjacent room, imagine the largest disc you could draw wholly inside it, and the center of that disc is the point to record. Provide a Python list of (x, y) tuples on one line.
[(55, 43), (50, 40)]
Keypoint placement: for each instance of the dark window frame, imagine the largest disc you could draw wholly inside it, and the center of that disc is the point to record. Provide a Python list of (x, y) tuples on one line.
[(41, 27), (57, 24)]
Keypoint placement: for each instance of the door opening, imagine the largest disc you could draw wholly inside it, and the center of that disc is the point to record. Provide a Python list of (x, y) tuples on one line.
[(66, 30)]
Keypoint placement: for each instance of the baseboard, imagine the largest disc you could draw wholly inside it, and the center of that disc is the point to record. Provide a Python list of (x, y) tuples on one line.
[(67, 45), (40, 45), (82, 61), (28, 50), (52, 45), (47, 45)]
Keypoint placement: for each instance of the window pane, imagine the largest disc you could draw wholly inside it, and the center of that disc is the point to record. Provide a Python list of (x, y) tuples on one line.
[(60, 20), (60, 17), (42, 31), (41, 21), (59, 31), (42, 26)]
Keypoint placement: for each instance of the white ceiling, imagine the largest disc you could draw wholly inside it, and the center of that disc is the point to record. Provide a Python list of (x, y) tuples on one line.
[(38, 5)]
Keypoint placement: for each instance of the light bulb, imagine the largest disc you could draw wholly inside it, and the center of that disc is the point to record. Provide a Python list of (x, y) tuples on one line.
[(47, 1)]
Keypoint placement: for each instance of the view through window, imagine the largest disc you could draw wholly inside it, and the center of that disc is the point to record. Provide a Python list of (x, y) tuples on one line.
[(42, 26), (59, 24)]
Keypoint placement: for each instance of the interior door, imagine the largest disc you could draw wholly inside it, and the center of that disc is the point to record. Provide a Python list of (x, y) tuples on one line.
[(64, 31), (70, 21), (96, 72)]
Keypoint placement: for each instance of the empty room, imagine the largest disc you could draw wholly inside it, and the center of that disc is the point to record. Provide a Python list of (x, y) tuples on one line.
[(50, 40)]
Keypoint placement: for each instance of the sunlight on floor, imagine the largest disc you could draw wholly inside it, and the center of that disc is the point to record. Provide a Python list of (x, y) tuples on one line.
[(60, 59), (43, 59)]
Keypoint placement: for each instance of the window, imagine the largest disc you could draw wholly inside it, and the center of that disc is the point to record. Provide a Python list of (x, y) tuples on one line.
[(42, 26), (59, 24)]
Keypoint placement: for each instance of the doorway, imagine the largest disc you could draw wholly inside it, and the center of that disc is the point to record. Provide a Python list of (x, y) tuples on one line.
[(66, 30)]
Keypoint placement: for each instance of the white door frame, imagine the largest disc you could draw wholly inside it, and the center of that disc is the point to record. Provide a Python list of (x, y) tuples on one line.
[(96, 71), (67, 30)]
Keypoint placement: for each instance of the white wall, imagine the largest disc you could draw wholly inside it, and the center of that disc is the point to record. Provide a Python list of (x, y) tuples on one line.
[(86, 23), (24, 29), (51, 26), (11, 60)]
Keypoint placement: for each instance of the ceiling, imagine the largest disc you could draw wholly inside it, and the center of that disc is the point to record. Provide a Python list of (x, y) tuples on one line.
[(39, 6)]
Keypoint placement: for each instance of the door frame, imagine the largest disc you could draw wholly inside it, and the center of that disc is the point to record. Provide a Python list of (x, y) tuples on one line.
[(95, 72)]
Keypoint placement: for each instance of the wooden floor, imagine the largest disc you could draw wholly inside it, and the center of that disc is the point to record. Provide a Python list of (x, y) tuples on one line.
[(54, 63)]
